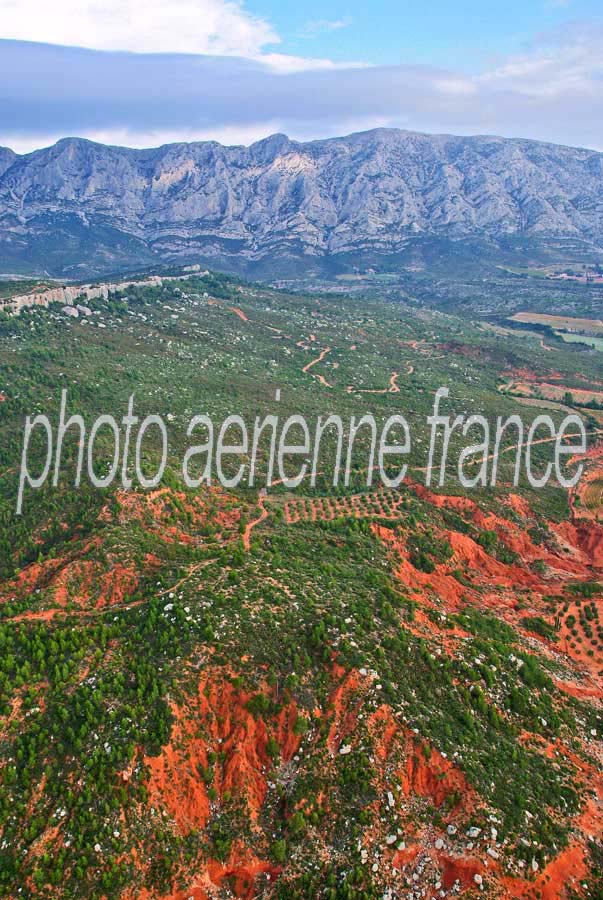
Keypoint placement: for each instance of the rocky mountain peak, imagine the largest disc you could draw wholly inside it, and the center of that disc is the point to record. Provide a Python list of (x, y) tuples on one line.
[(368, 193), (7, 158)]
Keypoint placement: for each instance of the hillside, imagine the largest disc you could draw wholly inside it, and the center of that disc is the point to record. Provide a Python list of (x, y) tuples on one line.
[(78, 207), (332, 693), (7, 158)]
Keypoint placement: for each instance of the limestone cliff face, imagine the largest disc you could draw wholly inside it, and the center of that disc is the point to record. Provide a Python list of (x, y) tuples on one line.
[(369, 192), (7, 158), (71, 294)]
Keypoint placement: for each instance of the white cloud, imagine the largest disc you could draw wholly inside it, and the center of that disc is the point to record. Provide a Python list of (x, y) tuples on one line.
[(551, 91), (562, 61), (455, 86), (221, 27), (320, 26), (286, 65), (207, 27)]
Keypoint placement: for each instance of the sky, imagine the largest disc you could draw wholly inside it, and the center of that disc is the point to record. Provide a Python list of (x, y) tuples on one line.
[(147, 72)]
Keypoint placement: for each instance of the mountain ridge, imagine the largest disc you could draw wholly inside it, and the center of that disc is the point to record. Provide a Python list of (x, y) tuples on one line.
[(7, 158), (369, 194), (363, 134)]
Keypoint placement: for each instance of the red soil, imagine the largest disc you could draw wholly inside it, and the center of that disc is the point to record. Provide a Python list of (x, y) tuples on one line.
[(433, 776), (156, 511), (251, 525), (519, 505), (241, 870), (218, 720), (84, 582), (461, 869), (191, 893), (345, 703), (585, 539)]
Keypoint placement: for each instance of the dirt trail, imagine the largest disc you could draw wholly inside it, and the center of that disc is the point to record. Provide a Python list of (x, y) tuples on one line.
[(191, 572), (423, 469), (233, 309), (47, 615), (251, 525), (304, 344), (319, 358), (391, 389), (422, 347), (547, 440)]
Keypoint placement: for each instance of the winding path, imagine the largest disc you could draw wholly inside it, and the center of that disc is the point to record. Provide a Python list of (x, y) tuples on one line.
[(251, 525), (319, 358), (391, 389)]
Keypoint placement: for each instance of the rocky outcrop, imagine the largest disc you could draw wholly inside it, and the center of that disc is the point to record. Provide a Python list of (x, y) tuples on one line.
[(69, 294), (365, 193), (7, 158)]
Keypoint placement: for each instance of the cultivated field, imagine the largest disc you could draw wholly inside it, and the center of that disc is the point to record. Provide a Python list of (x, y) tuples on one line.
[(560, 323)]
